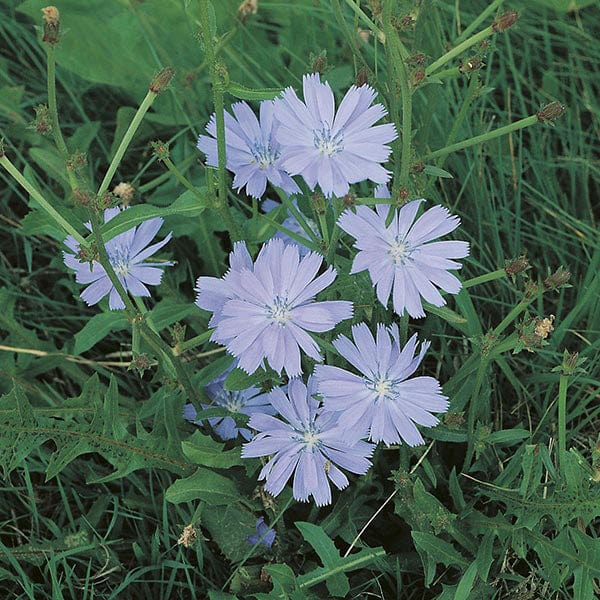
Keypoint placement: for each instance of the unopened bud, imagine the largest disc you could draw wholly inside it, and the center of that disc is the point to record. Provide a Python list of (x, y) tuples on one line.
[(139, 364), (516, 265), (503, 22), (319, 204), (51, 26), (470, 65), (75, 162), (161, 81), (418, 59), (417, 167), (551, 112), (362, 77), (178, 333), (87, 254), (532, 289), (82, 197), (557, 280), (319, 62), (407, 21), (160, 149), (247, 8), (349, 200), (403, 195), (107, 200), (124, 191), (42, 123), (417, 77)]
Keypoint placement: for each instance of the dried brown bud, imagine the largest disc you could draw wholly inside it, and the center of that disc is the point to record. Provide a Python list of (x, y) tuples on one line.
[(82, 197), (124, 191), (42, 123), (532, 289), (417, 167), (417, 59), (403, 195), (544, 326), (557, 280), (160, 149), (503, 22), (161, 81), (454, 419), (362, 77), (51, 26), (407, 21), (349, 200), (247, 8), (188, 536), (319, 62), (551, 112), (376, 7), (363, 34), (470, 65), (139, 364), (107, 200), (516, 265), (417, 77)]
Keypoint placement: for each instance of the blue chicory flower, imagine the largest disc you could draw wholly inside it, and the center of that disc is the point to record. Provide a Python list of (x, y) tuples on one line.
[(126, 253), (402, 255), (262, 531), (272, 306), (252, 151), (246, 402), (382, 398), (308, 443), (333, 148)]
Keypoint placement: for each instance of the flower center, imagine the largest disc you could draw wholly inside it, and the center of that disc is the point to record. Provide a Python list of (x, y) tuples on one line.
[(119, 259), (382, 386), (264, 155), (280, 312), (400, 251), (232, 401), (326, 143), (310, 438)]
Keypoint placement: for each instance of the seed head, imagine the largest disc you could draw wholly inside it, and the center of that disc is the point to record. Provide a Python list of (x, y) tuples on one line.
[(124, 191), (77, 161), (557, 280), (139, 364), (82, 197), (161, 81), (544, 326), (551, 112), (319, 62), (417, 167), (188, 536), (470, 65), (160, 149), (517, 265), (247, 8), (51, 25), (503, 22)]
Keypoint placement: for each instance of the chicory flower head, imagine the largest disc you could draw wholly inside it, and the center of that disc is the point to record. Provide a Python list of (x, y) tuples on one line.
[(262, 531), (328, 147), (126, 253), (382, 398), (272, 306), (403, 254), (252, 151), (307, 443), (245, 402)]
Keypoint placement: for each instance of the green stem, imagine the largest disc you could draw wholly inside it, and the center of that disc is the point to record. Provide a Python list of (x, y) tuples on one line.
[(217, 88), (289, 204), (153, 339), (44, 204), (478, 20), (338, 207), (475, 39), (499, 274), (53, 111), (368, 22), (473, 409), (198, 340), (485, 137), (513, 314), (135, 123), (562, 420), (185, 182)]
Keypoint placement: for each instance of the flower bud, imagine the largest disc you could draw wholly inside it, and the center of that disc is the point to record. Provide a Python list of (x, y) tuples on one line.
[(517, 265), (160, 149), (75, 162), (124, 191), (470, 65), (349, 200), (319, 204), (551, 112), (557, 280), (161, 81), (139, 364), (503, 22), (42, 123), (319, 62), (247, 8), (107, 200), (362, 77), (82, 197), (51, 26), (417, 167)]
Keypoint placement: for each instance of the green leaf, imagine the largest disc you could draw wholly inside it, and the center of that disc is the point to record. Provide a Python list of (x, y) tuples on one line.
[(97, 328), (240, 380), (205, 485), (203, 450), (218, 595), (188, 204), (51, 163), (83, 137), (433, 550), (437, 172), (508, 436), (463, 591), (244, 93), (228, 526)]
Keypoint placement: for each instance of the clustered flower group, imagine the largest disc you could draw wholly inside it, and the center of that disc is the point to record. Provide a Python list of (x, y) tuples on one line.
[(266, 311)]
